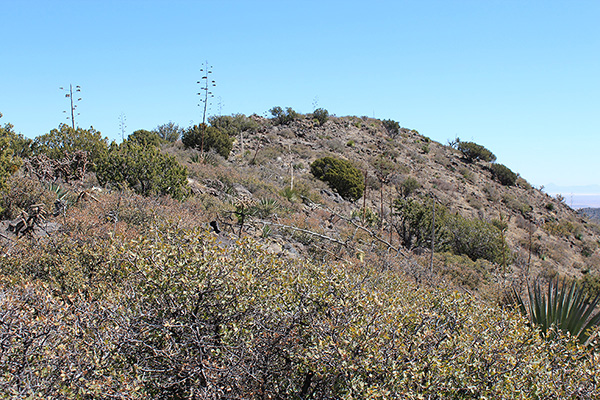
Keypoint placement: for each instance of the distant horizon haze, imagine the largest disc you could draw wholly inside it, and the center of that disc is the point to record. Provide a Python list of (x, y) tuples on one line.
[(576, 196)]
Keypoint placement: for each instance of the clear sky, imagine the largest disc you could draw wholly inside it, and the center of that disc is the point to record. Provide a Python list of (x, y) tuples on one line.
[(519, 77)]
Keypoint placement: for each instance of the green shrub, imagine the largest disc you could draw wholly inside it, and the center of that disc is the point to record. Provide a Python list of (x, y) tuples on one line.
[(473, 238), (384, 167), (145, 138), (414, 224), (392, 127), (233, 125), (590, 284), (341, 175), (9, 163), (17, 143), (68, 140), (561, 229), (467, 174), (321, 115), (281, 117), (369, 217), (170, 132), (202, 137), (504, 175), (473, 152), (518, 204), (144, 169), (464, 271), (409, 186)]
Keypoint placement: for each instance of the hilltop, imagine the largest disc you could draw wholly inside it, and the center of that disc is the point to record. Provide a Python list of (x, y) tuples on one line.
[(546, 237)]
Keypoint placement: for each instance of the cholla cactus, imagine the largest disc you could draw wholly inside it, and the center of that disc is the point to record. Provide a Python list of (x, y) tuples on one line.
[(27, 221)]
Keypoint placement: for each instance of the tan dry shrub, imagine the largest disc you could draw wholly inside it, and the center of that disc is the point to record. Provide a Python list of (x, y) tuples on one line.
[(23, 192)]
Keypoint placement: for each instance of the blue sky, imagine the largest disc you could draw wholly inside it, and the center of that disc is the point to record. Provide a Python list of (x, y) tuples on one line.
[(519, 77)]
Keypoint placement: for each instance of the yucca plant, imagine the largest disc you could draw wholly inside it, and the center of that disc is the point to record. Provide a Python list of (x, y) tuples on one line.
[(266, 207), (61, 193), (64, 198), (207, 157), (563, 307)]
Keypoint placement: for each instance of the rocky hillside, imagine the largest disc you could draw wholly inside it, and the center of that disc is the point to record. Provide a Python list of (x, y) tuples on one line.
[(544, 235), (242, 275), (490, 233)]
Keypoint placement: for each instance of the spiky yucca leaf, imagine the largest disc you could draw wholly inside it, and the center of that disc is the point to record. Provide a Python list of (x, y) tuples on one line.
[(563, 307), (61, 193)]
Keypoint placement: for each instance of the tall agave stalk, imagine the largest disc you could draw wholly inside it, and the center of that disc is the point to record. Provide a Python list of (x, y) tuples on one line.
[(563, 307)]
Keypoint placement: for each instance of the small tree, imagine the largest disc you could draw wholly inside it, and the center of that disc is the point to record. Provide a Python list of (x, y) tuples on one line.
[(321, 115), (392, 127), (169, 132), (209, 137), (282, 117), (473, 238), (504, 174), (341, 175), (145, 138), (65, 139), (416, 224), (472, 152), (9, 163), (409, 186), (144, 169), (233, 125), (19, 144)]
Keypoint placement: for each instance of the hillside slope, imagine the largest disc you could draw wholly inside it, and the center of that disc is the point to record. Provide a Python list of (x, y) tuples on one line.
[(489, 235), (265, 283), (544, 235)]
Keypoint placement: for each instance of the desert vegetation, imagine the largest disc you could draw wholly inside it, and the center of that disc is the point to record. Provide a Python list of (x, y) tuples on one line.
[(249, 258)]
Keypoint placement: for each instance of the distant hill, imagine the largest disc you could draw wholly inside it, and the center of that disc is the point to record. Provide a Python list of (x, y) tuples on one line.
[(591, 213)]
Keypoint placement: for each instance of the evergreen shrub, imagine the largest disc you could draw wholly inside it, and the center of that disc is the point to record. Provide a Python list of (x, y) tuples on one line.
[(472, 152), (281, 117), (392, 127), (144, 169), (145, 138), (202, 137), (321, 115), (65, 139), (341, 175), (504, 174)]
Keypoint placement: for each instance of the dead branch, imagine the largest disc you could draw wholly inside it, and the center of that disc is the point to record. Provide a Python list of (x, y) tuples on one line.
[(306, 231), (374, 235)]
